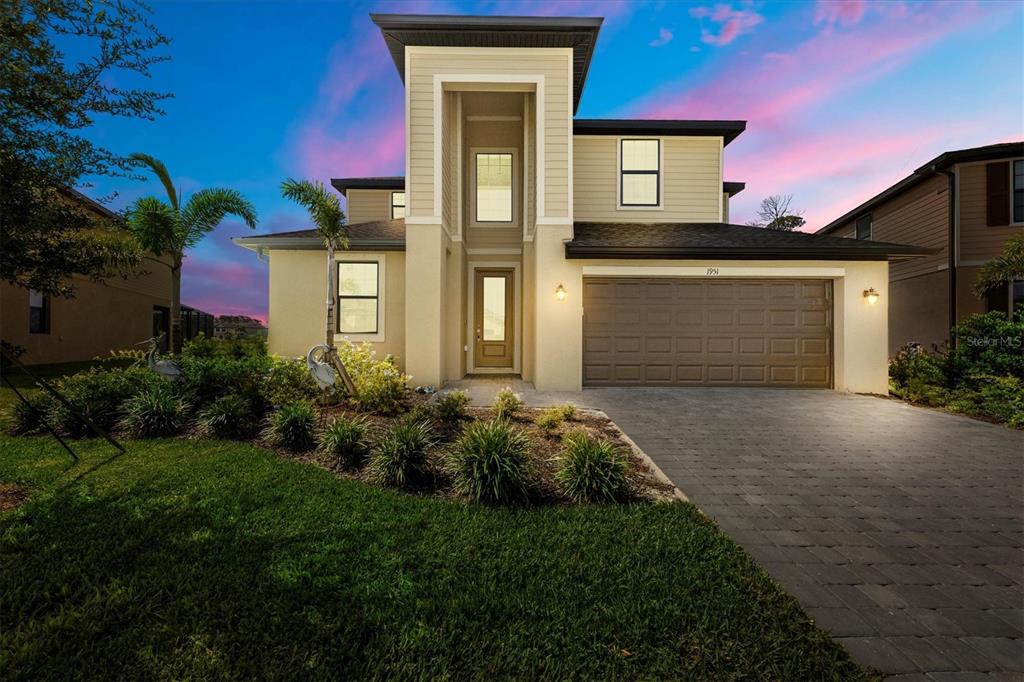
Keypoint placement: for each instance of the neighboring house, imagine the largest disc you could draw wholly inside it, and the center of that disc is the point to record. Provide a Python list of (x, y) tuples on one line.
[(571, 252), (237, 325), (964, 204), (107, 315)]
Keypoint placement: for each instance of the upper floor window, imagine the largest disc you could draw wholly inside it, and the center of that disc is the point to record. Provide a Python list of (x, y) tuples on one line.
[(397, 205), (358, 293), (864, 227), (1018, 191), (640, 173), (493, 187), (38, 312)]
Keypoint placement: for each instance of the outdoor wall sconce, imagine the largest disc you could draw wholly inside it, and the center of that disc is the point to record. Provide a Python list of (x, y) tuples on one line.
[(560, 292), (871, 296)]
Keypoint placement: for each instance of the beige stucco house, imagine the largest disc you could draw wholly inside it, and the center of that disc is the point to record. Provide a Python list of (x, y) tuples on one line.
[(964, 204), (571, 252)]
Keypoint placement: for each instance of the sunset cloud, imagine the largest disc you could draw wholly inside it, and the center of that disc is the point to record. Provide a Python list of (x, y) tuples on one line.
[(664, 38), (732, 23)]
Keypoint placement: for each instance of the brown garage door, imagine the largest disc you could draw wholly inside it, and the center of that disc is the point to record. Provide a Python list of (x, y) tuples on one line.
[(694, 332)]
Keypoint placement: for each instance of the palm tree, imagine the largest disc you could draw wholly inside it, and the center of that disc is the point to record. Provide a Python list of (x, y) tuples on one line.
[(325, 210), (167, 228), (1003, 269)]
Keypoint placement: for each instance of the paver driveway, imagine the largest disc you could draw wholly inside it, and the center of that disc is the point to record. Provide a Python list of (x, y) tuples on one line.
[(898, 528)]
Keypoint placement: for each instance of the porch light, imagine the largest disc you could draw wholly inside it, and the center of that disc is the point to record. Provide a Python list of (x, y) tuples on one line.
[(871, 296), (560, 292)]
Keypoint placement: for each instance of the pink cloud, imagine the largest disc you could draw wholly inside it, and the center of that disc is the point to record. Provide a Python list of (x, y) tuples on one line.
[(664, 38), (733, 23), (205, 280), (846, 12)]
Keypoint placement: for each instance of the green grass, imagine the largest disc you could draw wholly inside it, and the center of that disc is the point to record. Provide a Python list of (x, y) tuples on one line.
[(211, 559)]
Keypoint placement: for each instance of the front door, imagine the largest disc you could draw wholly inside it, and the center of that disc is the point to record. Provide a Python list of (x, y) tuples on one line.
[(493, 319)]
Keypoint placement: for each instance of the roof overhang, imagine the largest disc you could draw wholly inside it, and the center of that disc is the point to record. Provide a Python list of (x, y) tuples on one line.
[(343, 185), (696, 253), (733, 188), (727, 130), (942, 162), (261, 245), (441, 30)]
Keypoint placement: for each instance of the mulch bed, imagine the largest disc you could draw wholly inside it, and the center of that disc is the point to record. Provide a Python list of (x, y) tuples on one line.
[(545, 448), (11, 496)]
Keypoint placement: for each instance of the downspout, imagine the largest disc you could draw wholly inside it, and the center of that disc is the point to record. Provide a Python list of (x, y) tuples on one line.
[(951, 176)]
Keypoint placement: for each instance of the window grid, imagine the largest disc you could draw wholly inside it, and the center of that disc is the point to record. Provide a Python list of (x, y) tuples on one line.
[(639, 161), (397, 205), (354, 297)]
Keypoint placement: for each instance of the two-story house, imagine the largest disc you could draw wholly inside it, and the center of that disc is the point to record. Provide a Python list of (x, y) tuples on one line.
[(964, 204), (571, 252)]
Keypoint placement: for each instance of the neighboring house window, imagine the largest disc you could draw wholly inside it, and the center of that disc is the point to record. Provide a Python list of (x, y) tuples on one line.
[(864, 227), (1017, 296), (640, 173), (494, 187), (999, 200), (397, 205), (1018, 191), (358, 293), (38, 313)]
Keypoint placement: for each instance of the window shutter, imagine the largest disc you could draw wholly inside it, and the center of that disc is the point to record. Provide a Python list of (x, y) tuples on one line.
[(997, 192)]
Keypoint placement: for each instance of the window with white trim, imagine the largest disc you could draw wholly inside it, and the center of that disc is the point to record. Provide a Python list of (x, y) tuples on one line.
[(493, 172), (640, 173), (358, 297), (397, 205)]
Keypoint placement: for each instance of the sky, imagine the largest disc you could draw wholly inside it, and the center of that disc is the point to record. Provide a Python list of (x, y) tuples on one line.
[(842, 98)]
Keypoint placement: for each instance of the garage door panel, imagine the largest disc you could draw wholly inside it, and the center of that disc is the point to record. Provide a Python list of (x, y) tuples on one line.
[(685, 332)]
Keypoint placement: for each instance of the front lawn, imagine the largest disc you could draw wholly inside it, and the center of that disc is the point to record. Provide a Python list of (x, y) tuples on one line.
[(215, 559)]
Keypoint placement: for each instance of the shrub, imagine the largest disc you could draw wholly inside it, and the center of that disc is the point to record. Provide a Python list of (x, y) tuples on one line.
[(233, 348), (153, 412), (99, 394), (451, 406), (380, 387), (287, 381), (591, 469), (292, 426), (489, 462), (506, 404), (345, 441), (25, 419), (400, 457), (229, 416), (1000, 398), (204, 379), (552, 417), (988, 344), (914, 364)]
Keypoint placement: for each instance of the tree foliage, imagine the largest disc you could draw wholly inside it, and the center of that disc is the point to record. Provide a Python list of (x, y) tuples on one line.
[(324, 208), (64, 63), (775, 213), (1004, 269), (169, 228)]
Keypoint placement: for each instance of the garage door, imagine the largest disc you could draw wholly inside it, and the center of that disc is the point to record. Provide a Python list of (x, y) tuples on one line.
[(694, 332)]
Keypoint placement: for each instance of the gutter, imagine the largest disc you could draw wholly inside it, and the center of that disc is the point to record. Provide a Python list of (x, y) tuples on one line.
[(315, 244), (951, 248), (578, 251)]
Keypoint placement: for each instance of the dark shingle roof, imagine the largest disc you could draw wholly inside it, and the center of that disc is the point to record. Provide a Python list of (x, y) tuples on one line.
[(721, 240), (728, 130), (343, 185), (381, 235)]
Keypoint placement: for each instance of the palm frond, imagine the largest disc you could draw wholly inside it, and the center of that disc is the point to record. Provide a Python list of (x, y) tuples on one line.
[(154, 224), (160, 170), (206, 209), (324, 209), (1003, 269)]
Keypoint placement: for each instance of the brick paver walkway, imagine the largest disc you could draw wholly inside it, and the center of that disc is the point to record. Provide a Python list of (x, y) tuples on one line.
[(899, 529)]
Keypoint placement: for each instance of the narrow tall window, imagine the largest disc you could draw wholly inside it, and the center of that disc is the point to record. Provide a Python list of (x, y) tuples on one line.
[(38, 312), (1018, 191), (357, 297), (864, 227), (494, 188), (397, 205), (640, 173)]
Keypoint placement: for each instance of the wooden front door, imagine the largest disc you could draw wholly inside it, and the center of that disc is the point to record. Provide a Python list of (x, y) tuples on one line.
[(493, 324)]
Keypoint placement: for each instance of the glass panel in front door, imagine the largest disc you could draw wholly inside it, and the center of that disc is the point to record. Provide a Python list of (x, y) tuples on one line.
[(494, 309)]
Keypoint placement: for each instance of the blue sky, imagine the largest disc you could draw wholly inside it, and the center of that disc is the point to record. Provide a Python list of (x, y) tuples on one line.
[(842, 99)]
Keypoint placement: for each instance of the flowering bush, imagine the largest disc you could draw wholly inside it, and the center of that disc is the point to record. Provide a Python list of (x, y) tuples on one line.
[(380, 386)]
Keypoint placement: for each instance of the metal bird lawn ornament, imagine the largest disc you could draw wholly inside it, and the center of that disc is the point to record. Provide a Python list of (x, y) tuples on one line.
[(168, 369)]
